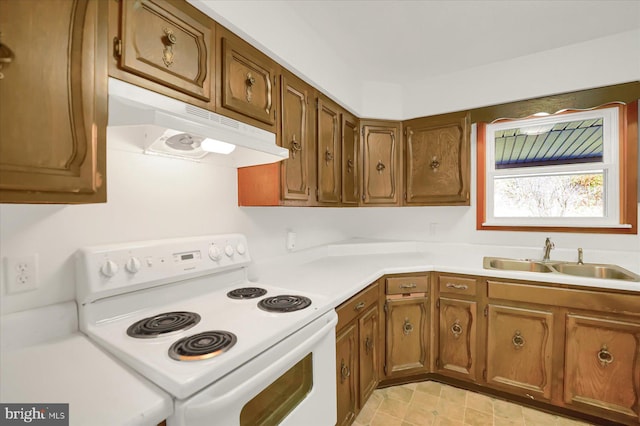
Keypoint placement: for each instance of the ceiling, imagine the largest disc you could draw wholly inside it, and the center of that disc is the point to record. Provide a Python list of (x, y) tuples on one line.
[(401, 41)]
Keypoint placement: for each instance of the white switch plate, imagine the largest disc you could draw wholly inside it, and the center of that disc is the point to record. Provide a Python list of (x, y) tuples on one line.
[(291, 240), (21, 273)]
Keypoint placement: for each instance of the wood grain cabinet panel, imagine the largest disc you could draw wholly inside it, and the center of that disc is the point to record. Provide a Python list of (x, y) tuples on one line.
[(381, 154), (347, 373), (602, 366), (519, 349), (368, 336), (53, 101), (248, 80), (407, 336), (437, 160), (350, 160), (162, 41), (329, 152), (457, 338)]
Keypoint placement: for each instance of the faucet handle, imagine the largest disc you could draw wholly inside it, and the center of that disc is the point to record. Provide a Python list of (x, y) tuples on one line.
[(580, 261)]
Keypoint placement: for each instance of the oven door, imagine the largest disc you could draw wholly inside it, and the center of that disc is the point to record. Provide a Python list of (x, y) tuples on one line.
[(292, 384)]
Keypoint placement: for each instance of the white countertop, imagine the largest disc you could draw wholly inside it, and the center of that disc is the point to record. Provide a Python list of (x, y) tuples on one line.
[(341, 270), (71, 369)]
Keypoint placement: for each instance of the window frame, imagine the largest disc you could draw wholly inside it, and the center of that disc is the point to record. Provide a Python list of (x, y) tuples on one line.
[(625, 175)]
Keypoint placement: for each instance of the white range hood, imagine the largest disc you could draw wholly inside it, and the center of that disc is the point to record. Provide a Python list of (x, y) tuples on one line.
[(177, 129)]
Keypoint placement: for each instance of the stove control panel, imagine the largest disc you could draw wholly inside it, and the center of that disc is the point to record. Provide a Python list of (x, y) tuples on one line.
[(109, 270)]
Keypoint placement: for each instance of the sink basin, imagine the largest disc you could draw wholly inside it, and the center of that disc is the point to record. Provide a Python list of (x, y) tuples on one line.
[(593, 270), (589, 270), (516, 265)]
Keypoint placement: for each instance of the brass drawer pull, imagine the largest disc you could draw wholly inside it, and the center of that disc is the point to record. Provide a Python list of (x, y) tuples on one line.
[(410, 285), (345, 372), (456, 329), (368, 345), (457, 286), (604, 356), (407, 328), (359, 306), (518, 340)]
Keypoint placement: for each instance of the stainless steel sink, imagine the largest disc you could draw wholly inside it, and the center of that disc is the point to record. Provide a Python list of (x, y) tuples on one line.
[(589, 270), (516, 264), (593, 270)]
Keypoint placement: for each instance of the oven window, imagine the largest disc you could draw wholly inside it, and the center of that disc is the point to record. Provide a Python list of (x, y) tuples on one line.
[(278, 399)]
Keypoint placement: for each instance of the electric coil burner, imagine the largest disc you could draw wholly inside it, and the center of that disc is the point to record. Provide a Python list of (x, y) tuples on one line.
[(247, 293), (284, 303), (162, 324), (203, 345)]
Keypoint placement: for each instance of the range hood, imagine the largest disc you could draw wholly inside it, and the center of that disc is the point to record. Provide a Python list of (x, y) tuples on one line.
[(176, 129)]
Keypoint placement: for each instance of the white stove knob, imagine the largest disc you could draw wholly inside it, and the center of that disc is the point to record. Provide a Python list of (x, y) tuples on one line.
[(109, 268), (228, 250), (241, 249), (214, 252), (133, 265)]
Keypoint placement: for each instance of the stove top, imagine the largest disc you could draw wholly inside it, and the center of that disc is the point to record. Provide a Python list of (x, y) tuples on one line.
[(176, 307)]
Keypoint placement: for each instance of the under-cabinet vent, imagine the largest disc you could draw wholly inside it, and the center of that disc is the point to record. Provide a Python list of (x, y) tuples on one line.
[(199, 112)]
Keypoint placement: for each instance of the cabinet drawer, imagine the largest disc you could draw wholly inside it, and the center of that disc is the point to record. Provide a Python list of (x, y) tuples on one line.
[(457, 285), (356, 305), (403, 285)]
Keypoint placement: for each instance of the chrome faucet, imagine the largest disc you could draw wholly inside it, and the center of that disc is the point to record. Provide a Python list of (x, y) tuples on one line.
[(548, 245), (580, 261)]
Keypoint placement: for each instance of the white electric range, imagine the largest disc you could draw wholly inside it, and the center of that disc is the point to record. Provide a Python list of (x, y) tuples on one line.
[(184, 315)]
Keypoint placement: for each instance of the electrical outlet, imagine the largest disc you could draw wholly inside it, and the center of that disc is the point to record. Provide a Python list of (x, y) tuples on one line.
[(21, 273)]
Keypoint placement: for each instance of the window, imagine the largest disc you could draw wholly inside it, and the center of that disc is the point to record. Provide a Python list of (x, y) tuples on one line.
[(569, 171)]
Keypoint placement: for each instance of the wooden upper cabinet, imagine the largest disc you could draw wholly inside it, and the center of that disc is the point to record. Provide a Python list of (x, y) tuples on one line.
[(381, 155), (602, 366), (350, 160), (170, 43), (437, 160), (53, 101), (296, 136), (519, 350), (248, 80), (329, 150)]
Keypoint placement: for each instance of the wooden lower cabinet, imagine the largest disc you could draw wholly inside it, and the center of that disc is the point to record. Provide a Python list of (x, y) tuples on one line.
[(357, 348), (407, 334), (519, 350), (457, 338), (602, 366)]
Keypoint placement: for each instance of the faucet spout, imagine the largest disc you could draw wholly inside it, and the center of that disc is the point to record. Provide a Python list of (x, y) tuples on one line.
[(548, 245)]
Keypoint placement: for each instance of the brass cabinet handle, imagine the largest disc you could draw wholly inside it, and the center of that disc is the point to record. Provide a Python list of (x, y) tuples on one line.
[(345, 372), (457, 286), (368, 345), (294, 147), (456, 329), (518, 340), (604, 356), (380, 166), (407, 328), (349, 165), (328, 156), (434, 164), (251, 80), (167, 52), (6, 56), (409, 285), (359, 306)]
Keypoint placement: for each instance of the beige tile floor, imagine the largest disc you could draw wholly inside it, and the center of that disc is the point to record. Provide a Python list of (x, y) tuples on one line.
[(432, 403)]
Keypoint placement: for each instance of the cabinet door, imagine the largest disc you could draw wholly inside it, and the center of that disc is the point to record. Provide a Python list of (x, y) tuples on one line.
[(328, 138), (248, 79), (368, 325), (381, 154), (407, 336), (295, 137), (457, 338), (350, 160), (346, 373), (437, 162), (519, 348), (164, 43), (53, 101), (602, 366)]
